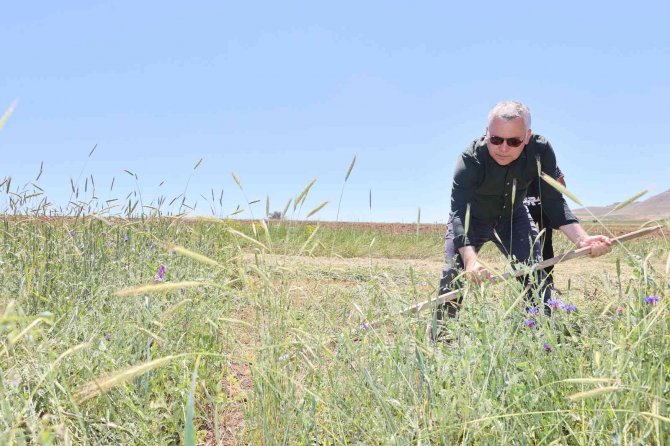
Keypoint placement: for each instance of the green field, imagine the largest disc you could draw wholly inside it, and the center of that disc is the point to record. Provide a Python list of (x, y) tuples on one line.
[(252, 336)]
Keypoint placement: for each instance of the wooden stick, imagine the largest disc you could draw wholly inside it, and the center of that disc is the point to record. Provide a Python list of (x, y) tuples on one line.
[(540, 265)]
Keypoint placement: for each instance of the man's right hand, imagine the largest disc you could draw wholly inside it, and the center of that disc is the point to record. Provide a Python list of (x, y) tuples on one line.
[(476, 273)]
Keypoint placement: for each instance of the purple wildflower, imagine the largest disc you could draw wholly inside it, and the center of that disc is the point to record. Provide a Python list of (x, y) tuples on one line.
[(652, 300), (125, 238), (72, 232), (547, 347), (160, 274), (534, 310), (108, 337), (569, 308), (619, 310), (553, 303), (529, 323), (108, 244)]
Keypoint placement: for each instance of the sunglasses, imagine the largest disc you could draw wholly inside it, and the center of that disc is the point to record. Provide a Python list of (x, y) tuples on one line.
[(512, 142)]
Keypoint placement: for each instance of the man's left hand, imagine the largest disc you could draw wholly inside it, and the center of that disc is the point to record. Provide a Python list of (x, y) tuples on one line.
[(599, 244)]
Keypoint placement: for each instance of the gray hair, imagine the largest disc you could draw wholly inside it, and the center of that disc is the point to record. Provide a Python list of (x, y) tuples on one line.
[(509, 110)]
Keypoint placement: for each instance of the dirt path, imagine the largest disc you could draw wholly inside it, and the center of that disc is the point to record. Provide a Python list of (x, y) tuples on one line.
[(577, 267), (432, 264), (587, 278)]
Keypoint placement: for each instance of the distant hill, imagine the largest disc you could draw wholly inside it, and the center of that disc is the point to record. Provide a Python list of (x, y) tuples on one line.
[(655, 207)]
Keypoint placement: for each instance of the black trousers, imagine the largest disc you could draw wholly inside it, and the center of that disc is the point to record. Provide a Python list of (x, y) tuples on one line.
[(546, 242), (514, 238)]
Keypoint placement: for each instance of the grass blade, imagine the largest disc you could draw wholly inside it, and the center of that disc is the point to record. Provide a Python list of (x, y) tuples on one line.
[(173, 309), (592, 393), (466, 223), (309, 239), (104, 384), (236, 211), (559, 187), (625, 203), (351, 166), (317, 209), (14, 339), (8, 113), (189, 432), (288, 204), (588, 380), (157, 288), (303, 194), (237, 180), (194, 255), (247, 238)]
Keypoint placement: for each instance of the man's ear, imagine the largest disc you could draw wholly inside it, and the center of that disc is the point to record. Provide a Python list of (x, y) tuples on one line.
[(530, 133)]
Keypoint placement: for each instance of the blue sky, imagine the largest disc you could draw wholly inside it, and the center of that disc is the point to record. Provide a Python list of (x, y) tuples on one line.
[(284, 92)]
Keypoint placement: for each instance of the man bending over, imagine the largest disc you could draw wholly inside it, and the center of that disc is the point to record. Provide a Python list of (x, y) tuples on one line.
[(491, 179)]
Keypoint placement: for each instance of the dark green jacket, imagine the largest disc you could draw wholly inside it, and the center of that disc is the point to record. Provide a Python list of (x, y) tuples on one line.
[(494, 191)]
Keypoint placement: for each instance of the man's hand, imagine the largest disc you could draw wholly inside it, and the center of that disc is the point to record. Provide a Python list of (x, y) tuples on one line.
[(476, 273), (599, 244)]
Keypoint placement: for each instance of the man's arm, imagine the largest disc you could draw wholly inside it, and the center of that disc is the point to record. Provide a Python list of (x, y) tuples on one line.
[(561, 179), (553, 203), (560, 176), (474, 270), (462, 196), (559, 212)]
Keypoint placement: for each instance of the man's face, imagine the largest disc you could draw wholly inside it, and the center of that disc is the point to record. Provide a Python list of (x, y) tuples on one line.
[(510, 131)]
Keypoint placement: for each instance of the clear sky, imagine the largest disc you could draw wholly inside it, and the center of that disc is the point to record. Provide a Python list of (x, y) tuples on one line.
[(284, 92)]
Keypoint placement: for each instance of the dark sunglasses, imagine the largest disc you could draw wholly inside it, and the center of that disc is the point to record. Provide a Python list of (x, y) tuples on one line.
[(512, 142)]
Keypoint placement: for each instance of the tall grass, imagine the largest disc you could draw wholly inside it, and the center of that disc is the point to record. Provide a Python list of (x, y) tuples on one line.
[(97, 347), (74, 346)]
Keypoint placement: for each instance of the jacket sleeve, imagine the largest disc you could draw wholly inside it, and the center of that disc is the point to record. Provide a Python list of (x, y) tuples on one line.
[(462, 195), (559, 172), (553, 202)]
